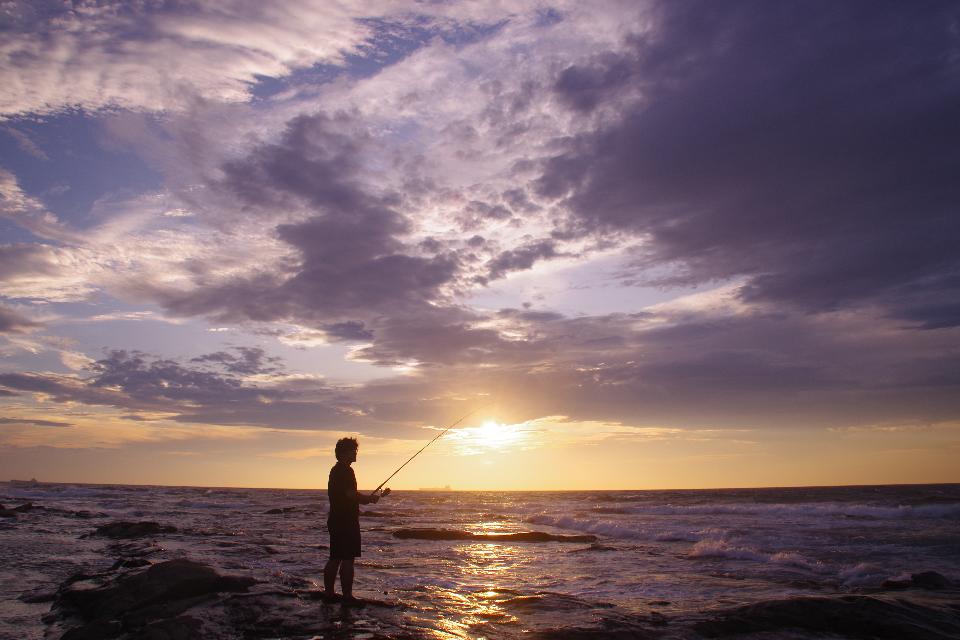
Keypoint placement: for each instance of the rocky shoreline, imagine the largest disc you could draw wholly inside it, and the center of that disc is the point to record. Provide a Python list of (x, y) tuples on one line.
[(144, 596)]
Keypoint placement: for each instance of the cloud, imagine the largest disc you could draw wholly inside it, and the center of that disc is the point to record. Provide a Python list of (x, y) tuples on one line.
[(28, 212), (522, 257), (163, 57), (349, 257), (156, 58), (134, 316), (104, 429), (675, 368), (26, 145), (11, 321), (337, 205), (156, 381), (133, 249), (765, 143), (245, 361), (34, 422), (241, 388), (348, 331)]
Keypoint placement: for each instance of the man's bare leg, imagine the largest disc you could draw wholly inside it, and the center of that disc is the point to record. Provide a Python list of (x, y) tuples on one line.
[(330, 576), (346, 578)]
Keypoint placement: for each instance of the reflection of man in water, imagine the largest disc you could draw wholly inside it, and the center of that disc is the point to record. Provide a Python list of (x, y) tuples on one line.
[(343, 522)]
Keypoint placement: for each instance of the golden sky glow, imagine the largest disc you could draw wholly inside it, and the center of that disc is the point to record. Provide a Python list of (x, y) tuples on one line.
[(550, 453)]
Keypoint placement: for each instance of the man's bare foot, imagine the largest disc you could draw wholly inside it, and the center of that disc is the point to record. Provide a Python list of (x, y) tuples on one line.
[(330, 596), (350, 601)]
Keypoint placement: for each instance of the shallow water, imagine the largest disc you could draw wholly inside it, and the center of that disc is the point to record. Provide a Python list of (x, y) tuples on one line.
[(677, 553)]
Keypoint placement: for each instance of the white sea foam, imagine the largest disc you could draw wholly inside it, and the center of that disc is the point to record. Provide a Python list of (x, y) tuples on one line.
[(863, 574), (603, 527), (725, 549), (619, 529), (709, 543), (714, 548), (802, 510)]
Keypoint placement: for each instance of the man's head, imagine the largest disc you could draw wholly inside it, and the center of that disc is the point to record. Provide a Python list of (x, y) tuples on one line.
[(346, 449)]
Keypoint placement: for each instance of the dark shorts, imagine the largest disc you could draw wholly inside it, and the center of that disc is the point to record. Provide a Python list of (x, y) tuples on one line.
[(344, 539)]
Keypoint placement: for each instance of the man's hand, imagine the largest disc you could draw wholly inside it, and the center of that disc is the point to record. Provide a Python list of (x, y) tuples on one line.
[(385, 493)]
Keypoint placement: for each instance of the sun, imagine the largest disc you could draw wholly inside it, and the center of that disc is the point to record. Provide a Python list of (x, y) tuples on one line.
[(493, 433), (490, 434)]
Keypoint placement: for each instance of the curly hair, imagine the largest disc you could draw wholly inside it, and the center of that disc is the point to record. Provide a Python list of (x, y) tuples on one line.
[(344, 445)]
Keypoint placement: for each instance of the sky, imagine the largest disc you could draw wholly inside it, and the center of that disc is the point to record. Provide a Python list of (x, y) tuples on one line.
[(638, 245)]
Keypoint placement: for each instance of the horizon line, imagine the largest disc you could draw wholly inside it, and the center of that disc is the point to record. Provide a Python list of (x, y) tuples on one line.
[(451, 490)]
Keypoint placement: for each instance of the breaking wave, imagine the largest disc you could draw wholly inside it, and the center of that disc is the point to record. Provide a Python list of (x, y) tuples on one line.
[(814, 510)]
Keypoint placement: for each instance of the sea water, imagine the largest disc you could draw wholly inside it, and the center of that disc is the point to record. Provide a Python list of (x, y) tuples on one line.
[(681, 554)]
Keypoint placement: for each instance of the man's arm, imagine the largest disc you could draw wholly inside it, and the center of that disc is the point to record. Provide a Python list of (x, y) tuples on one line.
[(373, 498), (370, 499)]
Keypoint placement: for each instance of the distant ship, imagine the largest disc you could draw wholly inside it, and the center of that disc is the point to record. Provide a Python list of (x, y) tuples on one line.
[(32, 482), (444, 488)]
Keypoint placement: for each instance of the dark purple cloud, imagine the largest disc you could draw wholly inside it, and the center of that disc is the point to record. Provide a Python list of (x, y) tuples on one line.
[(432, 337), (23, 259), (812, 147), (355, 265), (158, 381), (243, 360), (350, 330), (12, 321), (34, 423), (193, 393), (522, 258), (33, 382), (353, 260)]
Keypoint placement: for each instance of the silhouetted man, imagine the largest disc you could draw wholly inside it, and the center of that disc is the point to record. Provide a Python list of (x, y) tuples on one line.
[(343, 522)]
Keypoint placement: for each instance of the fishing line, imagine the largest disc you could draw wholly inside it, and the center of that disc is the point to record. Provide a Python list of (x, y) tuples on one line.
[(427, 445)]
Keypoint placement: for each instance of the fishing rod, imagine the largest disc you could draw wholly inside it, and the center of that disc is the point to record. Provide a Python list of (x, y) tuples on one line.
[(425, 446)]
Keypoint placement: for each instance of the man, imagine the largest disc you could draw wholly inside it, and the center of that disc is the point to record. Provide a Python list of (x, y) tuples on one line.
[(343, 521)]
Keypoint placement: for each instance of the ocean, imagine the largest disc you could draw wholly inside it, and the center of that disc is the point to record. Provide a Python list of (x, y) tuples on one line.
[(751, 563)]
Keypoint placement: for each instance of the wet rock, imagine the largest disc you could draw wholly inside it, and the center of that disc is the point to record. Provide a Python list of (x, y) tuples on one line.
[(137, 600), (858, 616), (609, 626), (179, 628), (523, 536), (132, 529), (27, 507), (95, 630), (547, 601), (130, 563), (931, 580), (40, 594), (7, 513)]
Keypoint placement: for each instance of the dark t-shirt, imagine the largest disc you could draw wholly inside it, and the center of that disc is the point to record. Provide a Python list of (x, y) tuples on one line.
[(342, 507)]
